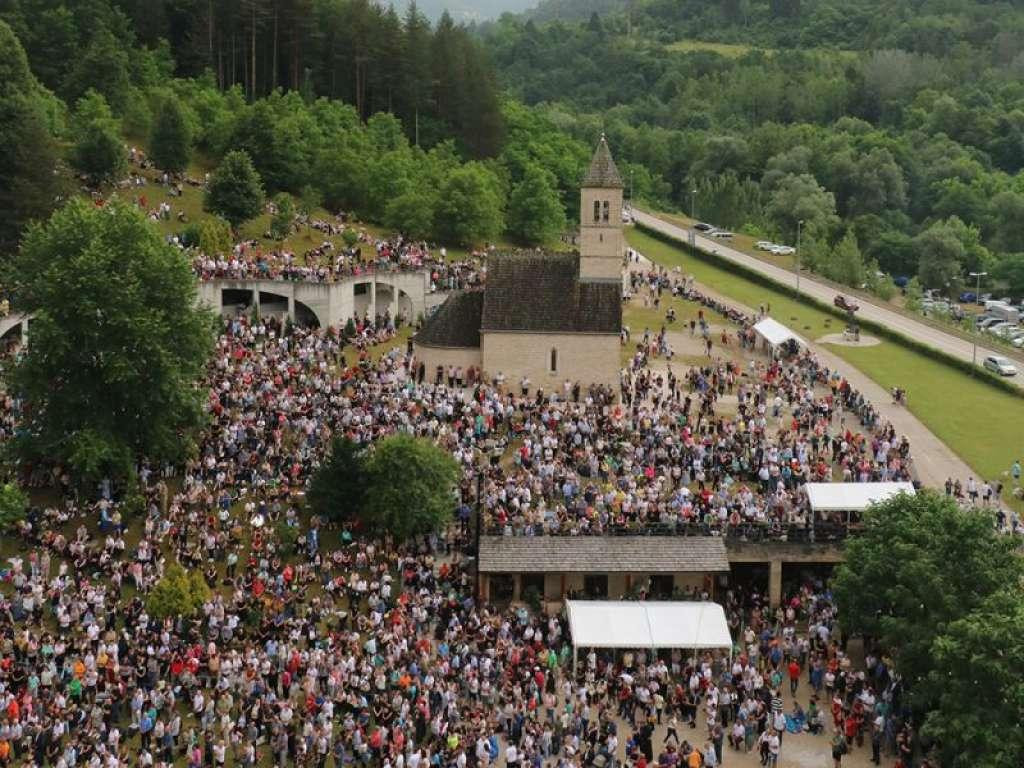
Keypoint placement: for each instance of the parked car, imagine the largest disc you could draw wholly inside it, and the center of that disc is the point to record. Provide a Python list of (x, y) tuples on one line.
[(983, 298), (845, 303), (968, 296), (1000, 365), (783, 250), (724, 234), (764, 245), (702, 227), (901, 281), (997, 328), (986, 320)]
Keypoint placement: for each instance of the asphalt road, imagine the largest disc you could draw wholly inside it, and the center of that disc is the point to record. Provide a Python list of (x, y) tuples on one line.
[(952, 345)]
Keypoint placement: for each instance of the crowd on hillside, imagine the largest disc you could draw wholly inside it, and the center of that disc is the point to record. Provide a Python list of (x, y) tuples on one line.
[(250, 260), (337, 650)]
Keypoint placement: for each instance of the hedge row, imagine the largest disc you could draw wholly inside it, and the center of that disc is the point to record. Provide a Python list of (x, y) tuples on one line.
[(912, 344)]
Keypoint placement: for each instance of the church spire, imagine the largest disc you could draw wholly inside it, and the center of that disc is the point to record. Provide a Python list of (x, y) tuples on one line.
[(602, 172)]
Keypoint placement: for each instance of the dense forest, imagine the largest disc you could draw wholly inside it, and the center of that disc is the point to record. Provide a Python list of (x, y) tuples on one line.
[(341, 101), (894, 129)]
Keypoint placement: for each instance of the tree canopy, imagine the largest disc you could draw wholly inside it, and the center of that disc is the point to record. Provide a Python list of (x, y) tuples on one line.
[(118, 341), (170, 143), (411, 485), (921, 564), (338, 489), (235, 191)]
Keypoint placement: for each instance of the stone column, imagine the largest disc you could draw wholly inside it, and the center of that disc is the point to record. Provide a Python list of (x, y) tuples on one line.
[(373, 300), (775, 582), (516, 588), (291, 305), (256, 300), (24, 331), (394, 305)]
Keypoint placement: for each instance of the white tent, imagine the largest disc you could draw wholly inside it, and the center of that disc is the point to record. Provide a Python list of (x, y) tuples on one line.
[(852, 497), (775, 334), (651, 624)]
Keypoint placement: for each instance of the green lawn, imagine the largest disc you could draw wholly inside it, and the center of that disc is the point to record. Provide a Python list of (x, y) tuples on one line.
[(982, 424), (729, 50)]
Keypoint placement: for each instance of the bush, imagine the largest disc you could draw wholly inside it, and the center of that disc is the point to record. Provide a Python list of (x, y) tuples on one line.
[(13, 505), (177, 594)]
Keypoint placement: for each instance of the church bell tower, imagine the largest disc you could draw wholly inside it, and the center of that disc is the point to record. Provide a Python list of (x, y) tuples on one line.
[(602, 246)]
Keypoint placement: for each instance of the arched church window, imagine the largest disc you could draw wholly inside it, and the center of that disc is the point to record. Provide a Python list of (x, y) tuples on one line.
[(554, 360), (604, 213), (597, 210)]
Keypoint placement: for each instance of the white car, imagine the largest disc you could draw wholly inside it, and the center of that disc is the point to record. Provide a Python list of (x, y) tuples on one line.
[(764, 245), (784, 250), (720, 233), (999, 328), (1000, 365)]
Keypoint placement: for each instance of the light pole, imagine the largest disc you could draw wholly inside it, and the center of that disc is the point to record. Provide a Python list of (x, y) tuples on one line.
[(693, 217), (974, 336), (799, 225)]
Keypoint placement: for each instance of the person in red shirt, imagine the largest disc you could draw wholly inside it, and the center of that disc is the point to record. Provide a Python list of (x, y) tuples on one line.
[(794, 676)]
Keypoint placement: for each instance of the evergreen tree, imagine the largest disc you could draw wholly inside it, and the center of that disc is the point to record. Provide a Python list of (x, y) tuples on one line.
[(170, 142), (104, 67), (29, 182), (98, 152), (284, 216), (235, 191)]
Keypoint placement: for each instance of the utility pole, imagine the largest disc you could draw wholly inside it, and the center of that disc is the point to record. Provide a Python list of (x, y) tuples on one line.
[(693, 216), (974, 336), (799, 225)]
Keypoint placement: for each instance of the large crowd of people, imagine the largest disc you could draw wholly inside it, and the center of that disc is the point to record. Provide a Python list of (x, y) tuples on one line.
[(325, 648), (320, 646)]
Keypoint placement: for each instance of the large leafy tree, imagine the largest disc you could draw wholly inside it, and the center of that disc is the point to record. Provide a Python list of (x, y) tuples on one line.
[(410, 488), (469, 209), (535, 214), (235, 191), (118, 342), (98, 152), (170, 142), (977, 671), (921, 563)]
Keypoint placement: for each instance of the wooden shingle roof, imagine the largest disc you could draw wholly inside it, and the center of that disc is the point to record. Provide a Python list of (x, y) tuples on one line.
[(542, 292), (603, 171), (602, 554), (456, 322)]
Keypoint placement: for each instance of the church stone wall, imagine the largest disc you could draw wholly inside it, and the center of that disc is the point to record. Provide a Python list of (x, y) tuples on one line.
[(586, 358), (431, 357)]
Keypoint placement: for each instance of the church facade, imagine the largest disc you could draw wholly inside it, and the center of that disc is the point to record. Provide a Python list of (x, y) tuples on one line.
[(544, 317)]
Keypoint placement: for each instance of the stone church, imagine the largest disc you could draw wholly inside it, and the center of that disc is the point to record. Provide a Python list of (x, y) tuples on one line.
[(546, 317)]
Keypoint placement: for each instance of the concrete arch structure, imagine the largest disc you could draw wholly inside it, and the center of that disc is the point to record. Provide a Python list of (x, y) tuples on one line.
[(12, 321), (332, 303)]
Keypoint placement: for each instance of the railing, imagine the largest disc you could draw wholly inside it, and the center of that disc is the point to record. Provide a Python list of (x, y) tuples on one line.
[(820, 532)]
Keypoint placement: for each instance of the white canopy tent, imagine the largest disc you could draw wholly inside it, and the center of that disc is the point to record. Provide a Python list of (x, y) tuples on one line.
[(852, 497), (654, 624), (775, 334)]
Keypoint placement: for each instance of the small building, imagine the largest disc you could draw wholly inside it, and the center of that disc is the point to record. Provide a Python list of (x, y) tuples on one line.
[(777, 338), (598, 567), (545, 317)]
